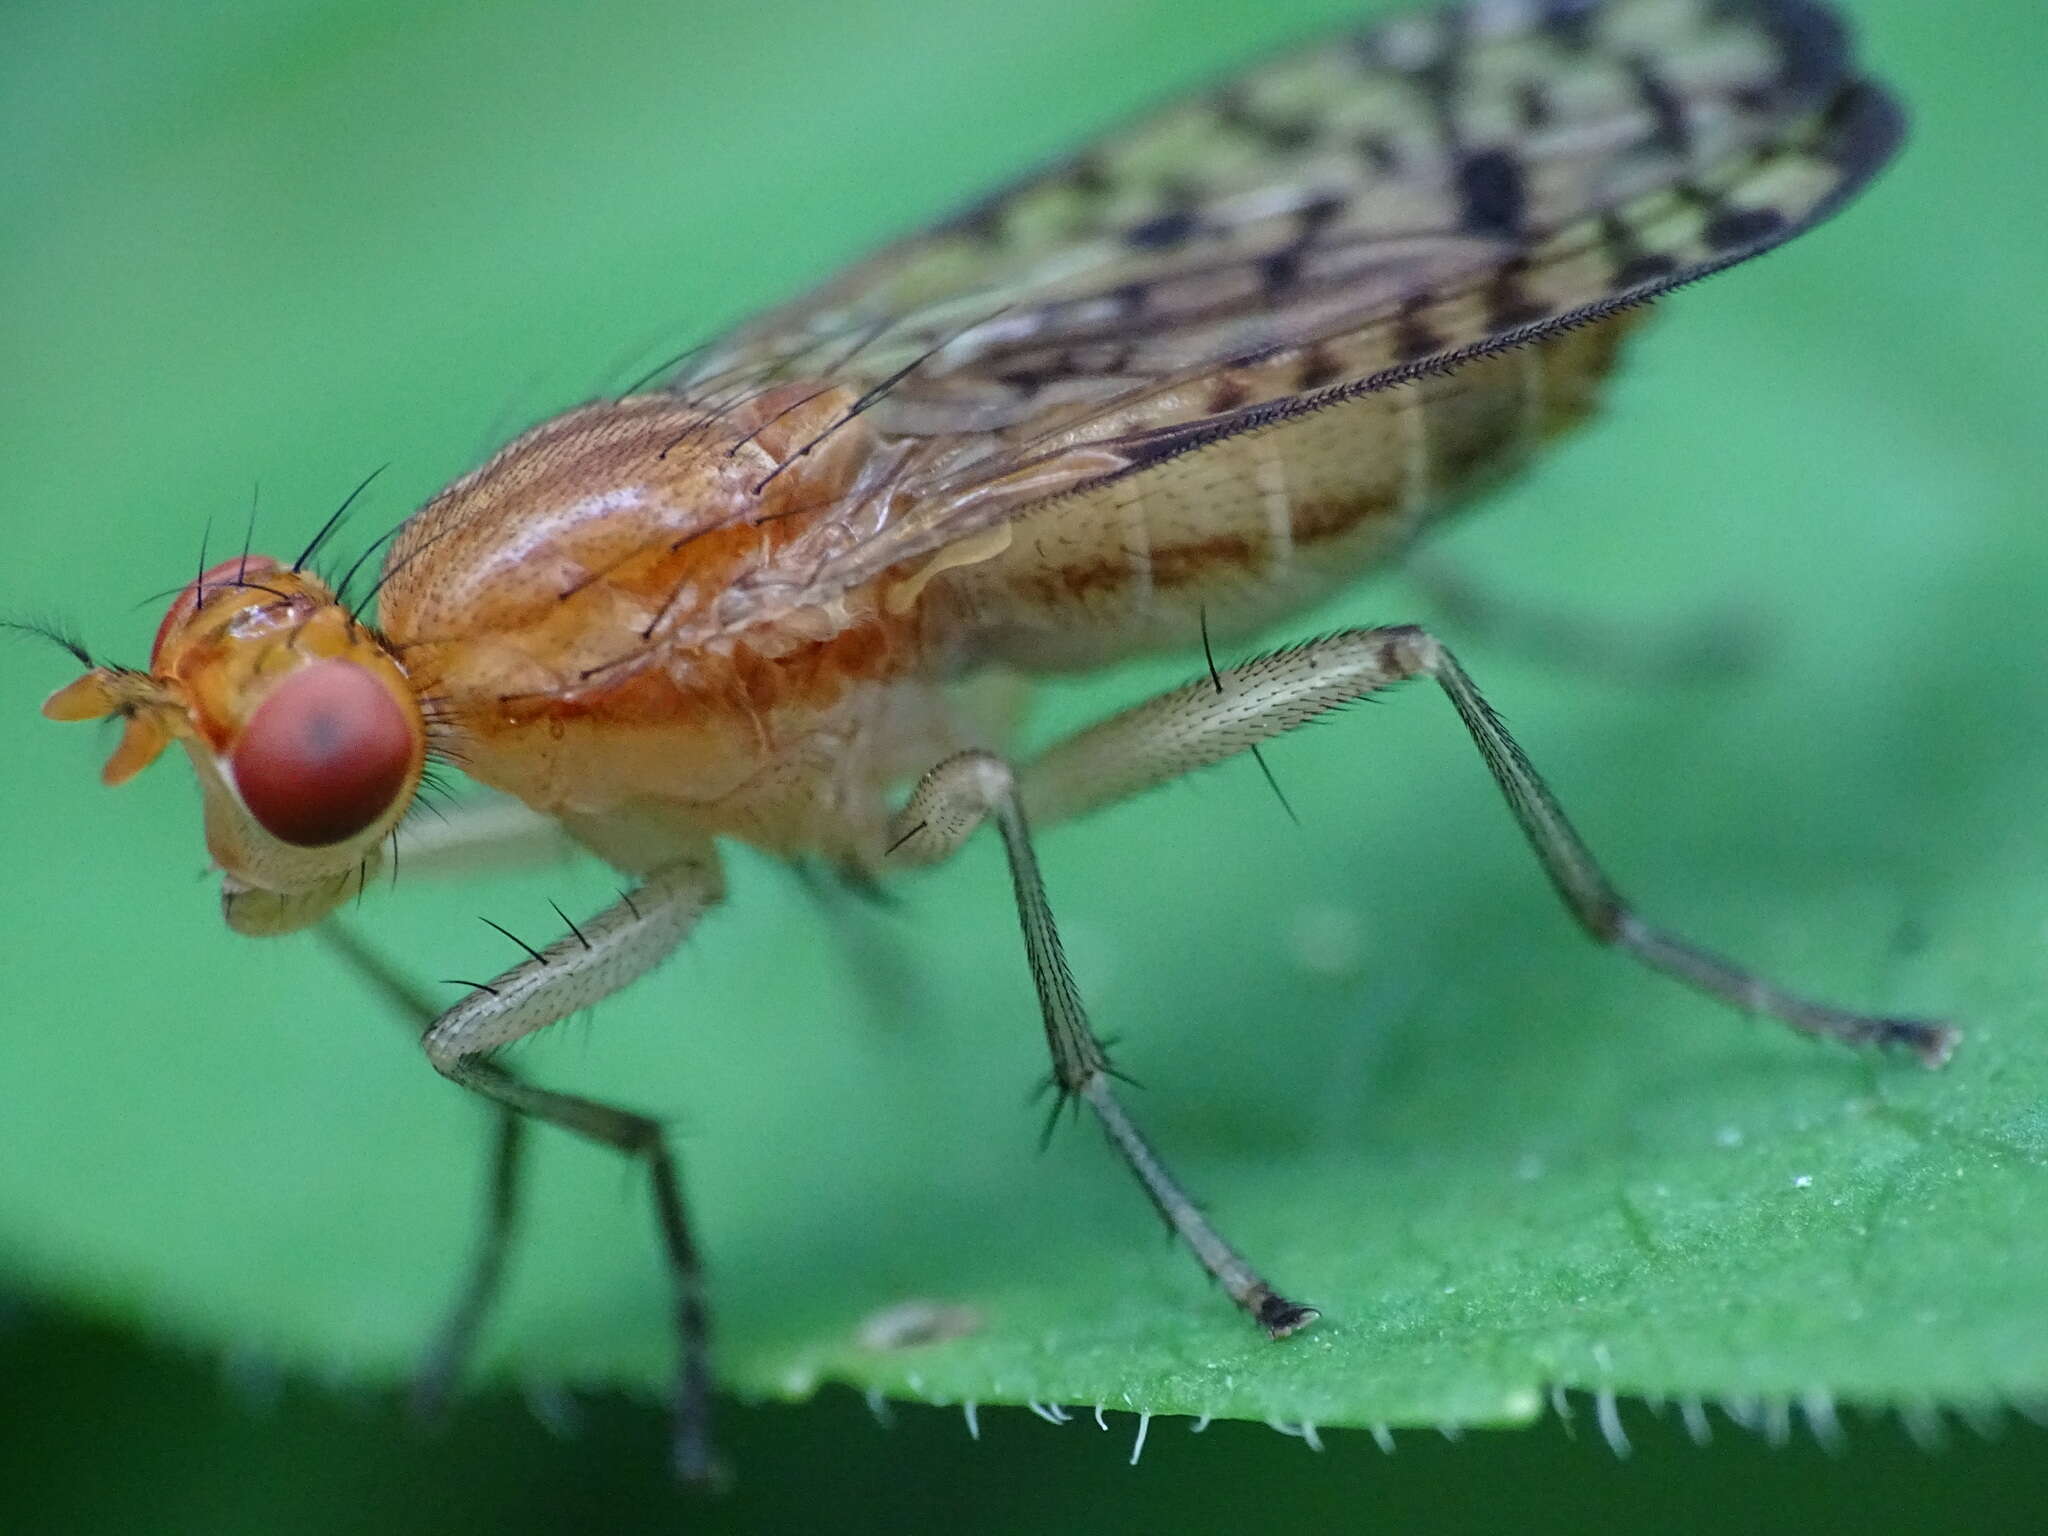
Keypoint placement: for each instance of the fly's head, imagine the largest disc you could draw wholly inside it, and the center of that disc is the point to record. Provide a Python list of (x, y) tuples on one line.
[(303, 728)]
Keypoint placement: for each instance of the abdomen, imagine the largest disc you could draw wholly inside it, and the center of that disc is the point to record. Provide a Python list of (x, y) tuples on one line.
[(1262, 524)]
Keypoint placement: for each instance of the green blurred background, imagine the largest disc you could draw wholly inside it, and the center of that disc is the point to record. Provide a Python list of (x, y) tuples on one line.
[(281, 244)]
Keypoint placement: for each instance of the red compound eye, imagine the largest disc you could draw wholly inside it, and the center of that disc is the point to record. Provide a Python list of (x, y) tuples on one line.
[(228, 573), (324, 756)]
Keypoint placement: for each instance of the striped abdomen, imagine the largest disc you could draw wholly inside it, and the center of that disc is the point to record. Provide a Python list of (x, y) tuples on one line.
[(1255, 526)]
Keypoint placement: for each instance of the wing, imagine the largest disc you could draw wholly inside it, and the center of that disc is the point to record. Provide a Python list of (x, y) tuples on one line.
[(1385, 206)]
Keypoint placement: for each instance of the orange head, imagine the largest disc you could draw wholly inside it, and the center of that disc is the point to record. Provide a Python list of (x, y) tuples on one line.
[(303, 728)]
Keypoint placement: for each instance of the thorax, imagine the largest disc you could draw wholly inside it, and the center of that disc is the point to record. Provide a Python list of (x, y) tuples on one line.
[(568, 615)]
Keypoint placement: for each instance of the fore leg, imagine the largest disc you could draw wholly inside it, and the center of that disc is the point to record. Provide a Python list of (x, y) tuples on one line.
[(587, 964), (947, 805), (462, 839), (455, 1341), (1234, 710)]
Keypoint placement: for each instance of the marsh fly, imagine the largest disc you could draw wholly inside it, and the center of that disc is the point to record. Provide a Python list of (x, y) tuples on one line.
[(1185, 383)]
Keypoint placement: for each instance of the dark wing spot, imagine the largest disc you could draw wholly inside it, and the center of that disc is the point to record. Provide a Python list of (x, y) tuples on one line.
[(1318, 211), (1864, 128), (1644, 267), (1813, 47), (1100, 360), (1742, 226), (982, 222), (1234, 109), (1570, 23), (1509, 304), (1494, 200), (1226, 393), (1633, 265), (1669, 129), (1280, 271), (1283, 135), (1089, 176), (1290, 135), (1413, 337), (1319, 366), (1380, 154), (1162, 231)]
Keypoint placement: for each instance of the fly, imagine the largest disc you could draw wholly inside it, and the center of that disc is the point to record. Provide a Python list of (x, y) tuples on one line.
[(1187, 382)]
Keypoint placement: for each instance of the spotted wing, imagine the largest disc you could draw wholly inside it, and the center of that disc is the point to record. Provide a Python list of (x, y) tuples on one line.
[(1432, 189)]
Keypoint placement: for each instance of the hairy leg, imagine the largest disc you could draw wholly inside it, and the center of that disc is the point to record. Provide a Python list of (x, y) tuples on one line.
[(1236, 709), (1232, 711), (946, 807), (590, 962)]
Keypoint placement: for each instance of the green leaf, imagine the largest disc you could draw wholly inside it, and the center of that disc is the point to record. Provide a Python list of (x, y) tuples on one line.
[(1498, 1159)]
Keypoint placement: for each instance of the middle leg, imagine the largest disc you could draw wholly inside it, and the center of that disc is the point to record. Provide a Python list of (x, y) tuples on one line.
[(587, 965), (946, 807)]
